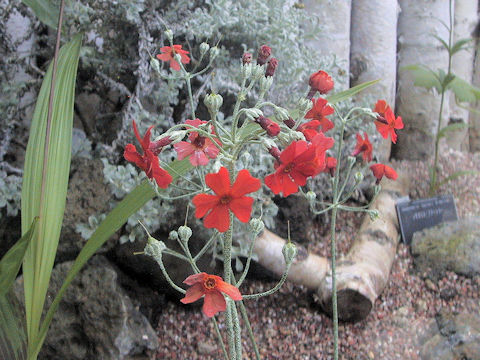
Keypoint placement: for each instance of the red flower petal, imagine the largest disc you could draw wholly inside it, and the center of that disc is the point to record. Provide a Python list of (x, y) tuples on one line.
[(198, 158), (193, 293), (161, 176), (245, 184), (183, 149), (218, 218), (219, 182), (390, 173), (378, 170), (213, 303), (203, 203), (131, 154), (230, 290), (242, 208), (195, 278)]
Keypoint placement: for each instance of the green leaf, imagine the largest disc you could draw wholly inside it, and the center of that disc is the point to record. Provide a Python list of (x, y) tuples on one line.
[(45, 180), (459, 45), (443, 42), (13, 340), (424, 77), (12, 260), (45, 10), (451, 127), (456, 175), (114, 220), (346, 94), (464, 92)]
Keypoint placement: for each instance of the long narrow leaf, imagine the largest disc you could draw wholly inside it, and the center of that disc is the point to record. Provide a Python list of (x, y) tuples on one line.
[(45, 10), (346, 94), (457, 174), (50, 205), (451, 127), (12, 260), (114, 220), (13, 341)]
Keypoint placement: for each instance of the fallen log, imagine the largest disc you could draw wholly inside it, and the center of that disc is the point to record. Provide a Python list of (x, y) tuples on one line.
[(362, 274)]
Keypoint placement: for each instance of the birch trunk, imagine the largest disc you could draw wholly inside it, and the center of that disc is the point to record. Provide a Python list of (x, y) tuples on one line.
[(466, 19), (373, 53), (361, 275), (474, 132), (333, 34), (419, 108)]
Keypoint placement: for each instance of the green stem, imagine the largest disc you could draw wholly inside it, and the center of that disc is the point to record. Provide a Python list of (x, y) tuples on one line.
[(249, 329), (219, 335), (236, 330), (240, 97), (230, 332), (272, 290)]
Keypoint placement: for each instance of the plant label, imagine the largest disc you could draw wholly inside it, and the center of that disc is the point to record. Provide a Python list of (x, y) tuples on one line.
[(424, 213)]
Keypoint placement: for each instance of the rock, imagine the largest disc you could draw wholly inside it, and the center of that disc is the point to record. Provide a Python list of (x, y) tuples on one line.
[(457, 336), (96, 319), (450, 246), (87, 195)]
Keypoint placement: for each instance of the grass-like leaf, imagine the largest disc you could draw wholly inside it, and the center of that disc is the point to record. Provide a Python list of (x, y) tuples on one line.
[(45, 10), (451, 127), (12, 260), (457, 174), (45, 180), (346, 94), (13, 340), (114, 221)]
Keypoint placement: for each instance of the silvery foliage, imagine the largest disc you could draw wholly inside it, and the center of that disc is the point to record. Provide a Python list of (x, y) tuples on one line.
[(10, 190)]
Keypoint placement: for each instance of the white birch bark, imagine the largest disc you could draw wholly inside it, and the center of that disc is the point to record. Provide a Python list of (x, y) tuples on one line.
[(373, 53), (465, 20), (474, 132), (419, 108), (333, 34)]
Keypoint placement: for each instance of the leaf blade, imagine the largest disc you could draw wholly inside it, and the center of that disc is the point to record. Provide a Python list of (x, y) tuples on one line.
[(346, 94), (45, 10)]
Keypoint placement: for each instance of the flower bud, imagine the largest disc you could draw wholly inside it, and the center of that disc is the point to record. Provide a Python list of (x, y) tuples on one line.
[(252, 114), (169, 34), (289, 122), (178, 58), (271, 127), (275, 152), (304, 105), (268, 143), (258, 72), (185, 233), (247, 70), (204, 47), (173, 235), (266, 83), (246, 58), (297, 135), (281, 114), (271, 67), (214, 51), (376, 189), (289, 252), (311, 196), (374, 214), (321, 82), (155, 64), (351, 160), (358, 177), (263, 54), (257, 226), (213, 102), (154, 248)]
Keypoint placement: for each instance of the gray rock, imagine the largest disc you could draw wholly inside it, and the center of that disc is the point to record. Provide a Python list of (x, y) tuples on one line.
[(457, 336), (96, 319), (451, 246)]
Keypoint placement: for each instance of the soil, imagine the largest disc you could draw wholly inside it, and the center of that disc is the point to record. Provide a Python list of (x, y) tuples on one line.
[(290, 325)]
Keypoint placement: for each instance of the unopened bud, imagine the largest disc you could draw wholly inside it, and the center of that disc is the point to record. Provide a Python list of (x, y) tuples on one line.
[(204, 47), (213, 102), (271, 127), (266, 83), (374, 214), (271, 67), (185, 233), (178, 58), (376, 189), (155, 64), (257, 226), (289, 122), (351, 160), (268, 143), (281, 114), (214, 51), (173, 235), (289, 252), (154, 248), (247, 70), (311, 196), (252, 113), (169, 34), (304, 105), (297, 135), (263, 54), (358, 177), (246, 58), (275, 152)]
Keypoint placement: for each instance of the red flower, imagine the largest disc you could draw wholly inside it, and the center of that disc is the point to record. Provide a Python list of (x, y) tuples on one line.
[(226, 198), (199, 146), (379, 170), (381, 107), (331, 165), (363, 145), (168, 54), (271, 67), (310, 129), (319, 111), (148, 162), (321, 82), (246, 58), (297, 162), (212, 287), (263, 54), (387, 125), (271, 127), (322, 144)]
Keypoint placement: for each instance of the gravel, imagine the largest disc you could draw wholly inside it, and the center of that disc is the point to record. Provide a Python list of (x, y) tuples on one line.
[(289, 324)]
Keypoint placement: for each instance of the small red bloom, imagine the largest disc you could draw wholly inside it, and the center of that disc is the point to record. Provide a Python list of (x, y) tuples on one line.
[(200, 148), (322, 144), (148, 162), (321, 82), (386, 126), (363, 146), (319, 111), (297, 162), (212, 287), (226, 198), (331, 165), (381, 107), (263, 54), (379, 170), (271, 127), (246, 58), (168, 54), (289, 122), (310, 129), (271, 67)]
